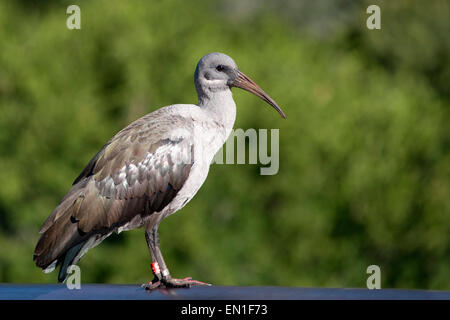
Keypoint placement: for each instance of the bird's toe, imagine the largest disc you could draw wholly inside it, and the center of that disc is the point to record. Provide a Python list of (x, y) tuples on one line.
[(154, 284), (183, 283)]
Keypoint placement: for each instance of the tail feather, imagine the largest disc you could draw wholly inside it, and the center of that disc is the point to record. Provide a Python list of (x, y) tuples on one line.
[(74, 254), (81, 221), (54, 242), (60, 233), (63, 241), (68, 260)]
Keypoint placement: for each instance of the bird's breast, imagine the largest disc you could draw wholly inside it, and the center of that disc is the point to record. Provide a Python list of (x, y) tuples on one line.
[(208, 139)]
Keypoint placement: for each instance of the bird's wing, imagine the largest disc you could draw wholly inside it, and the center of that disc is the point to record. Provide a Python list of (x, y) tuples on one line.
[(139, 171)]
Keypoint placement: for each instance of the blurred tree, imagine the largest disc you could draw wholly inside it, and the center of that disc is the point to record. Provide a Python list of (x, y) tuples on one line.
[(364, 154)]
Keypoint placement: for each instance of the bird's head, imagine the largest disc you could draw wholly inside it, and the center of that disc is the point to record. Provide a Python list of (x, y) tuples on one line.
[(217, 71)]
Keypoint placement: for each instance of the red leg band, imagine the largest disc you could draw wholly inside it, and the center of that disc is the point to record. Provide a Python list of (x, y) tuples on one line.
[(155, 268)]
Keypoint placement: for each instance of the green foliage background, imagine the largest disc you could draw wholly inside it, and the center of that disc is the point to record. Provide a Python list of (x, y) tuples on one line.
[(364, 154)]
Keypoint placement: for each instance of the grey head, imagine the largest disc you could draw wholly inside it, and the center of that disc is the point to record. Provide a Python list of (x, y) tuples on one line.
[(218, 72)]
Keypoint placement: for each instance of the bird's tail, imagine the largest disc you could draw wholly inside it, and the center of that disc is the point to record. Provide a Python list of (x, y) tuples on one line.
[(61, 241), (69, 259)]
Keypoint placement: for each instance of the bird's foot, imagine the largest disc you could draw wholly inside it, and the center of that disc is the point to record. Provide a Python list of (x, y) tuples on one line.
[(183, 283), (168, 282), (154, 284)]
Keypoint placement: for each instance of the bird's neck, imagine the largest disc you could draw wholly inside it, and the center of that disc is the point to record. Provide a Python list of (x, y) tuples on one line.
[(220, 107)]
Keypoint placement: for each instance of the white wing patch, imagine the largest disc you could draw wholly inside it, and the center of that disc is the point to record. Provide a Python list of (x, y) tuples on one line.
[(153, 173)]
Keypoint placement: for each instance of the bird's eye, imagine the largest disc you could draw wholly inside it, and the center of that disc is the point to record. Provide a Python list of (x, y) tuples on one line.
[(220, 68)]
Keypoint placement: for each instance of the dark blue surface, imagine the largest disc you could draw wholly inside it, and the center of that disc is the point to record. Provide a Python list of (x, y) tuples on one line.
[(135, 292)]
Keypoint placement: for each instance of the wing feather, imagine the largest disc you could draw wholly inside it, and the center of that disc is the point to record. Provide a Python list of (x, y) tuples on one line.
[(133, 175)]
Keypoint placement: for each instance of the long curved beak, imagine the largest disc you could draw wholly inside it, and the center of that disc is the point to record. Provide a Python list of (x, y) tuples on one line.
[(244, 82)]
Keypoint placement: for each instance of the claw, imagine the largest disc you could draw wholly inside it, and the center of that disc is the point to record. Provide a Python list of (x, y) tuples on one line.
[(155, 283), (152, 285)]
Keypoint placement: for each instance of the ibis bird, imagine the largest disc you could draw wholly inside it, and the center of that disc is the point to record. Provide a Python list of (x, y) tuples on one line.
[(147, 171)]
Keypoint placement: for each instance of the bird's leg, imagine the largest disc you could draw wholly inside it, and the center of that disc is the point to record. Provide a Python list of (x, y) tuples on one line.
[(156, 269), (160, 271), (159, 267)]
